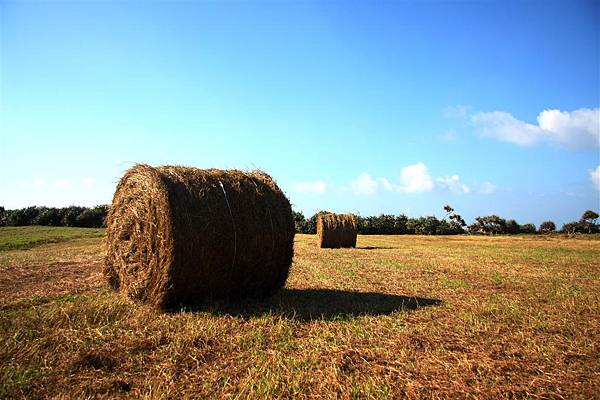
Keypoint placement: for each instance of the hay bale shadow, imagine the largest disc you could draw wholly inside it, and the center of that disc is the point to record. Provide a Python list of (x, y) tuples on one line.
[(317, 304)]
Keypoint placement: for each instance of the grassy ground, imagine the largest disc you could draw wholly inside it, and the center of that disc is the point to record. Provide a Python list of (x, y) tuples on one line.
[(399, 317), (25, 237)]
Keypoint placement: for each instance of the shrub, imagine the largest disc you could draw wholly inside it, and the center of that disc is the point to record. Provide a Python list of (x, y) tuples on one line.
[(547, 227), (512, 227), (424, 225), (455, 224), (49, 217), (299, 221), (490, 225), (70, 214), (23, 216), (588, 222), (310, 226), (528, 228), (92, 217), (571, 228)]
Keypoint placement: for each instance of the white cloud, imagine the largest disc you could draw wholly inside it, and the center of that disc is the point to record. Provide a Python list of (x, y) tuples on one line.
[(364, 184), (487, 188), (595, 177), (503, 126), (415, 179), (453, 184), (62, 184), (317, 187), (577, 129)]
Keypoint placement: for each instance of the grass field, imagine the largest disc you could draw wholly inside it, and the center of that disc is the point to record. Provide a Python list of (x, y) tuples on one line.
[(25, 237), (398, 317)]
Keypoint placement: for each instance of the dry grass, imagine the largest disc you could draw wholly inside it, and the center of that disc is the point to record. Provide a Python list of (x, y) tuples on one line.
[(400, 316)]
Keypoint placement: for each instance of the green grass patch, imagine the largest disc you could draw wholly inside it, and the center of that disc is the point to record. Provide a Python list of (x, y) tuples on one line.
[(14, 382), (26, 237)]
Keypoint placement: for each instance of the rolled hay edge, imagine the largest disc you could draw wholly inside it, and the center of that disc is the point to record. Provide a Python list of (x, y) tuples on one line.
[(181, 235), (336, 230)]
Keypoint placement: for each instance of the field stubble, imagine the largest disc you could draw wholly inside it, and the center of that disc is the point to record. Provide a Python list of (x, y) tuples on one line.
[(398, 317)]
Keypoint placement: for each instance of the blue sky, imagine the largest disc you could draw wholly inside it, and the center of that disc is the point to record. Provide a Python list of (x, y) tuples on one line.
[(368, 107)]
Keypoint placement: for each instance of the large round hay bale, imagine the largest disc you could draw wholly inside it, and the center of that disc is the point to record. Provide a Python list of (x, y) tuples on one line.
[(180, 235), (336, 230)]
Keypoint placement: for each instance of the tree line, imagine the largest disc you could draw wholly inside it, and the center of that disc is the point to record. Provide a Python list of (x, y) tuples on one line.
[(451, 224), (385, 224), (84, 217)]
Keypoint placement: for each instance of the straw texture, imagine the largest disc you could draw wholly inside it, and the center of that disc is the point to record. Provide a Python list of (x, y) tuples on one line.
[(180, 235)]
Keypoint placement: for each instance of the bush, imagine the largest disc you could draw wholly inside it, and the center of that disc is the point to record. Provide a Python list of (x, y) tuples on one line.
[(424, 225), (22, 217), (512, 227), (547, 227), (587, 222), (383, 224), (299, 221), (92, 217), (528, 229), (489, 225), (310, 225), (49, 217), (70, 214)]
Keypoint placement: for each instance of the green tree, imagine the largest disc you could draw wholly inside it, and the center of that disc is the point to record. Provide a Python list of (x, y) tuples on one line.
[(299, 221), (547, 227), (311, 224), (49, 217), (528, 228), (23, 216), (92, 217), (455, 224), (571, 228), (489, 225), (70, 214), (588, 221), (512, 227)]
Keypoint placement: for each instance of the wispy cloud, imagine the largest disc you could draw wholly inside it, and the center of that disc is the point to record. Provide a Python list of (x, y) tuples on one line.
[(579, 129), (317, 187)]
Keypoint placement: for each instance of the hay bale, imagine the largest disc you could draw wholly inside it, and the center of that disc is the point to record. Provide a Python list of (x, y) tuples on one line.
[(181, 235), (336, 230)]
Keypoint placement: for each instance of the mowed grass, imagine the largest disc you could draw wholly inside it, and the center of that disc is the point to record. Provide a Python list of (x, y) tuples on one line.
[(398, 317), (24, 237)]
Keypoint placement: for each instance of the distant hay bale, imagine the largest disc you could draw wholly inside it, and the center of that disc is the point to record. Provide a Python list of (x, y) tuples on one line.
[(180, 235), (336, 230)]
